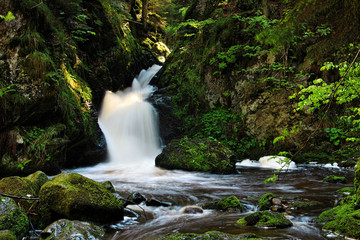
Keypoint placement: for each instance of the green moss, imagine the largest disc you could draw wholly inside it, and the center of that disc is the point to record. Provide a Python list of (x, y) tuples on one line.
[(334, 179), (357, 184), (205, 155), (265, 201), (346, 190), (72, 196), (38, 179), (298, 205), (343, 219), (231, 203), (265, 219), (13, 218), (7, 235)]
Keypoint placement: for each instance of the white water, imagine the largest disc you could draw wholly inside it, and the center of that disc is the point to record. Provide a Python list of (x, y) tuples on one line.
[(130, 124), (273, 162)]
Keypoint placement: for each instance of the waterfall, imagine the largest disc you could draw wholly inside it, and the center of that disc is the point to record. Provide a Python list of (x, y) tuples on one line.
[(130, 123)]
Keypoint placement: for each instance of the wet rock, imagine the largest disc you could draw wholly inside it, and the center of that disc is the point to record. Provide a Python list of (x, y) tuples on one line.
[(136, 198), (12, 218), (7, 235), (334, 179), (161, 51), (231, 203), (67, 229), (109, 186), (304, 204), (345, 217), (265, 202), (18, 186), (191, 210), (212, 235), (73, 196), (204, 155), (38, 179), (265, 219), (156, 203)]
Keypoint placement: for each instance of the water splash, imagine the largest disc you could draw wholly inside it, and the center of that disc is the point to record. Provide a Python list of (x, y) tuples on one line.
[(130, 123)]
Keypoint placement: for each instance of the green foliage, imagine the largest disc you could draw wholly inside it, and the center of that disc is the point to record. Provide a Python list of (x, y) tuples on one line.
[(7, 89), (9, 16)]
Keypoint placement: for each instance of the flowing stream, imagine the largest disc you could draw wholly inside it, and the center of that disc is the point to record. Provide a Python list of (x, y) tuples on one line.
[(129, 124)]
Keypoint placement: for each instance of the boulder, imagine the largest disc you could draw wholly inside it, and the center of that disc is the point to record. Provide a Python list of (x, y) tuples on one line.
[(75, 197), (334, 179), (161, 51), (7, 235), (231, 203), (204, 155), (67, 229), (109, 186), (265, 219), (38, 179), (21, 187), (265, 202), (12, 218), (191, 210), (343, 219), (357, 185)]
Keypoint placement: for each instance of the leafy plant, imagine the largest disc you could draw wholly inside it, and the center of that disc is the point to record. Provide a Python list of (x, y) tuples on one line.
[(9, 16)]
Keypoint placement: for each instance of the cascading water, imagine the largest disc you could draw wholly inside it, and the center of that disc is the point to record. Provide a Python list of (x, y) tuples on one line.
[(130, 124)]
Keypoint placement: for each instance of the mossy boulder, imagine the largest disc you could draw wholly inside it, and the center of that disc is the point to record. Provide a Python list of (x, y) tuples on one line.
[(75, 197), (334, 179), (12, 218), (7, 235), (212, 235), (66, 229), (231, 203), (357, 185), (18, 186), (161, 51), (343, 219), (265, 202), (37, 179), (265, 219), (204, 155)]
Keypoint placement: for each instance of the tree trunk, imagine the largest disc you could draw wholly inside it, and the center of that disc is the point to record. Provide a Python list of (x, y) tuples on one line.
[(144, 15)]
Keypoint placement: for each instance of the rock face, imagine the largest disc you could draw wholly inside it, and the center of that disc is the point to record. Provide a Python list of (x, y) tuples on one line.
[(72, 196), (204, 155), (66, 229), (265, 219), (12, 218), (56, 60)]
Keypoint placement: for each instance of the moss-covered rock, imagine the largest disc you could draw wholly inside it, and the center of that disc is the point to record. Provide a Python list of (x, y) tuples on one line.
[(66, 229), (265, 202), (13, 218), (212, 235), (265, 219), (75, 197), (161, 51), (357, 185), (7, 235), (334, 179), (346, 190), (343, 219), (37, 179), (204, 155), (18, 186), (231, 203)]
